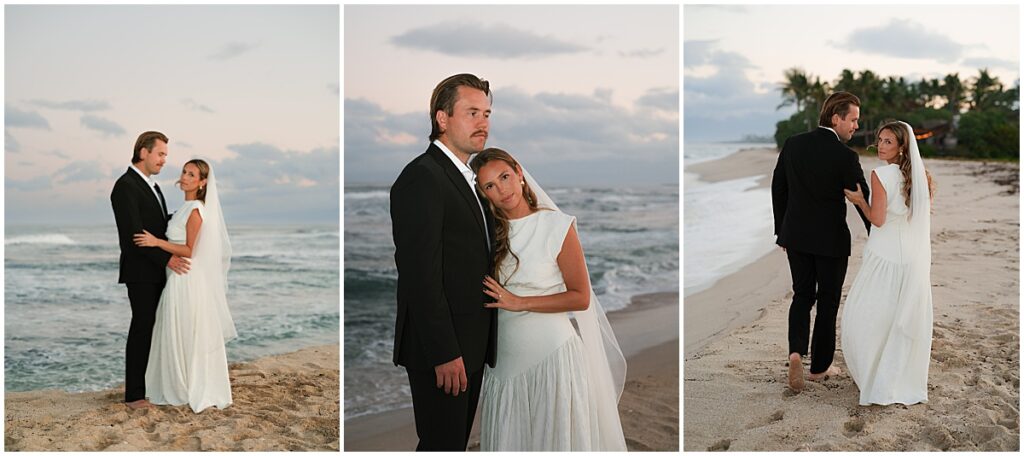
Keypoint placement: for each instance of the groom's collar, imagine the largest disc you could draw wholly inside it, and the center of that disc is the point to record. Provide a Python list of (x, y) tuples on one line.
[(462, 167), (830, 129), (143, 176)]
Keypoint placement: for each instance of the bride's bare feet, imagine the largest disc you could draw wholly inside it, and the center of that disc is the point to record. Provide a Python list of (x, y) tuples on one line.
[(832, 370), (796, 372), (141, 403)]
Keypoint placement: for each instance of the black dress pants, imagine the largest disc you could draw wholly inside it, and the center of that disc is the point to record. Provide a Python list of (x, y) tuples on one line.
[(816, 279), (443, 421), (144, 298)]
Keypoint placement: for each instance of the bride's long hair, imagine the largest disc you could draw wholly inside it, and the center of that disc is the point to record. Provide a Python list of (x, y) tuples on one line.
[(903, 158), (501, 228)]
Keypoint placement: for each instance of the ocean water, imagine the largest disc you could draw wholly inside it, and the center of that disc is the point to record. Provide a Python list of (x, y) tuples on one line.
[(630, 237), (66, 318), (728, 224)]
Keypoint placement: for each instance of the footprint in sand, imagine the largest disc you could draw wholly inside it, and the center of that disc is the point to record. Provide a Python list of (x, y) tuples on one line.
[(721, 445), (853, 427), (765, 421)]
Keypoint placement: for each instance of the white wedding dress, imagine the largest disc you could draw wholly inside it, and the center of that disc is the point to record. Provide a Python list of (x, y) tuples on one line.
[(187, 360), (887, 319), (539, 396)]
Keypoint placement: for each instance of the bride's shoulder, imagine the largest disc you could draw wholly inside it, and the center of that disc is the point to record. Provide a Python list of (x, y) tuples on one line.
[(556, 218), (886, 170), (197, 205)]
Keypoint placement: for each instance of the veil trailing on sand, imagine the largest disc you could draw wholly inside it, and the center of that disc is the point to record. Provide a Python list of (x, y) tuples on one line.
[(917, 289), (606, 366), (211, 258)]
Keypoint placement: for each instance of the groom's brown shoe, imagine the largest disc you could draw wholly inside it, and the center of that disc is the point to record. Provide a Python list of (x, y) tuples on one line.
[(796, 373), (141, 403)]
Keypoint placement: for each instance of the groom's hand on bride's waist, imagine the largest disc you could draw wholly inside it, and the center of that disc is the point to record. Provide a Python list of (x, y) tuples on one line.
[(452, 377), (178, 264)]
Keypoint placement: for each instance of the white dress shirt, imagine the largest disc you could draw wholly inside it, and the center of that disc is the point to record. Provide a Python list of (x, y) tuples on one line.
[(152, 186), (470, 176)]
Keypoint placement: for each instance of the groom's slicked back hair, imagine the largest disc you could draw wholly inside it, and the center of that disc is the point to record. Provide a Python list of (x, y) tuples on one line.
[(146, 141), (837, 103), (447, 93)]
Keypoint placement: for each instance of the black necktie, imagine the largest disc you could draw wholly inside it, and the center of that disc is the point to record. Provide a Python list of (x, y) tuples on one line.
[(163, 203)]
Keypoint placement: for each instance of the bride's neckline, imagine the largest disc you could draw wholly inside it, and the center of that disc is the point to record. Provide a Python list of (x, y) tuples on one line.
[(525, 216)]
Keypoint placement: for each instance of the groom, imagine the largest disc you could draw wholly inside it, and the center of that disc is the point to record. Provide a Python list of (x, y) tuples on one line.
[(810, 222), (443, 232), (139, 205)]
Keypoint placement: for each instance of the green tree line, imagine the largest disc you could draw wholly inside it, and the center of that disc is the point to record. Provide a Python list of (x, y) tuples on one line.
[(982, 113)]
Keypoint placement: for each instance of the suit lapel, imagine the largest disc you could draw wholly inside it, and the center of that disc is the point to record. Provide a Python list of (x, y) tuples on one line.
[(455, 176)]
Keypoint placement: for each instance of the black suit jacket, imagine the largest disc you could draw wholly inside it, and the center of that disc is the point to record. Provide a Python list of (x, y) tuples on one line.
[(807, 193), (135, 209), (442, 256)]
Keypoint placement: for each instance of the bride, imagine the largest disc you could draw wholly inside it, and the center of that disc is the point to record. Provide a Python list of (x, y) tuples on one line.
[(552, 389), (187, 360), (887, 320)]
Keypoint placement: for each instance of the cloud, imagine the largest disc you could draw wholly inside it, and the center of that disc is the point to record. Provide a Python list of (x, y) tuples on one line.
[(232, 50), (191, 104), (28, 185), (73, 105), (11, 144), (723, 103), (60, 154), (903, 39), (564, 139), (264, 182), (642, 53), (495, 41), (14, 117), (105, 126), (705, 52), (662, 99), (990, 62), (80, 171)]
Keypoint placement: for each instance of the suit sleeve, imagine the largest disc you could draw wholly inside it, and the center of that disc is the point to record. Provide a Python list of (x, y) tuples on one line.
[(417, 215), (780, 191), (129, 222), (853, 174)]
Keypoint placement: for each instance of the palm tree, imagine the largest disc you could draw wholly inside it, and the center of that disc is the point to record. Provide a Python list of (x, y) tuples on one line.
[(953, 91), (847, 81), (985, 91), (795, 89)]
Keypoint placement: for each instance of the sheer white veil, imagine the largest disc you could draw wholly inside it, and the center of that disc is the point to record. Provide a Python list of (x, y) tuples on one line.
[(605, 363), (211, 257), (914, 319)]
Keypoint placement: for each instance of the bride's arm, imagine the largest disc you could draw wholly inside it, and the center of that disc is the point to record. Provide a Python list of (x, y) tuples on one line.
[(574, 274), (183, 250)]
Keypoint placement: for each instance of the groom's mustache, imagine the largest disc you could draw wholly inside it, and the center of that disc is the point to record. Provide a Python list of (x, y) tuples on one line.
[(481, 133)]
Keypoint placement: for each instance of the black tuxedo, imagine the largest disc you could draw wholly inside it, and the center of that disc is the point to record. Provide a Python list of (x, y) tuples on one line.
[(810, 222), (142, 270), (442, 255)]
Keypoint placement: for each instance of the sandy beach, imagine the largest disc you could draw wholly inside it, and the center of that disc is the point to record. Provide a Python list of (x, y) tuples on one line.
[(734, 390), (648, 333), (287, 402)]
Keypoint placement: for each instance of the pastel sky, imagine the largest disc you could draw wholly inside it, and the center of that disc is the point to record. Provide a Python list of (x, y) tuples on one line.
[(735, 55), (252, 89), (583, 95)]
